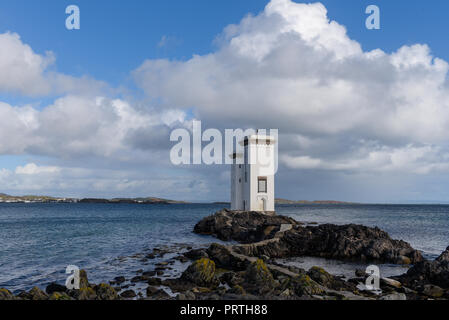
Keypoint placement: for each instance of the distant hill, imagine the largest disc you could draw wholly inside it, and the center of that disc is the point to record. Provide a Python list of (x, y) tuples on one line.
[(47, 199), (148, 200), (285, 201)]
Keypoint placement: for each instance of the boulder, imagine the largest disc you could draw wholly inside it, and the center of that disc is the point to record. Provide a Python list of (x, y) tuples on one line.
[(84, 281), (105, 292), (128, 294), (54, 287), (5, 294), (224, 258), (196, 254), (60, 296), (433, 291), (86, 293), (201, 273), (38, 294), (119, 280), (304, 285), (258, 279), (395, 297)]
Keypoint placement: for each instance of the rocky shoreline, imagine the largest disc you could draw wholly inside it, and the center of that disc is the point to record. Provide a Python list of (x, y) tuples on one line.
[(247, 269)]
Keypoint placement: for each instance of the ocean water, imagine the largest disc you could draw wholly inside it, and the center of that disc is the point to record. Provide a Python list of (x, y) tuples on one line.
[(38, 241)]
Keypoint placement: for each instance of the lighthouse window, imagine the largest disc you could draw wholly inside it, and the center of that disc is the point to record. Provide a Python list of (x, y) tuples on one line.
[(262, 185)]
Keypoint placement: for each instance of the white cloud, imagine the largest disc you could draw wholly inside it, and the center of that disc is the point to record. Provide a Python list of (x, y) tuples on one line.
[(32, 169), (82, 126), (25, 72), (292, 68), (418, 160)]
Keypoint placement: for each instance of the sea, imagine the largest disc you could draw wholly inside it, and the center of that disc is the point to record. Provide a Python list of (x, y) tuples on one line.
[(38, 240)]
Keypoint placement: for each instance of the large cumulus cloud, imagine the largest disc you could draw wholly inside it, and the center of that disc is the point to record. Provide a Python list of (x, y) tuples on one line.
[(292, 68)]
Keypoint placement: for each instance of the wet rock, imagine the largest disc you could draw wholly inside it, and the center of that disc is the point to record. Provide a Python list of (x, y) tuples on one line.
[(60, 296), (105, 292), (5, 294), (395, 297), (322, 277), (119, 280), (161, 295), (84, 281), (196, 254), (238, 290), (38, 294), (304, 285), (151, 291), (349, 242), (149, 273), (360, 273), (128, 294), (428, 272), (223, 258), (433, 291), (139, 279), (86, 293), (154, 282), (258, 279), (201, 273), (182, 259), (231, 279), (390, 283), (245, 227), (54, 287)]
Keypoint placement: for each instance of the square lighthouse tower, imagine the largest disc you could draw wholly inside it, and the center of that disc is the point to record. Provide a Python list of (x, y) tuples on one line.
[(252, 175)]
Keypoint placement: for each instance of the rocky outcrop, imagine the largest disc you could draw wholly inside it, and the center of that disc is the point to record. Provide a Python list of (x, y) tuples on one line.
[(424, 273), (279, 237), (244, 227), (349, 242)]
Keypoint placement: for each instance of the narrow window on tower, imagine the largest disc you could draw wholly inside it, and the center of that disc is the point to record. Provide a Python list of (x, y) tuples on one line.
[(262, 185)]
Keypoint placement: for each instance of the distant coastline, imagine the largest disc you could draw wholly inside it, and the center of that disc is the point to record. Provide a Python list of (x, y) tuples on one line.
[(5, 198), (285, 201)]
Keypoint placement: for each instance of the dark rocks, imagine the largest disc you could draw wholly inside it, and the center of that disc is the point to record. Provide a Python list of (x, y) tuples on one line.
[(54, 287), (258, 279), (128, 294), (196, 254), (38, 294), (222, 256), (154, 281), (433, 291), (268, 235), (349, 242), (60, 296), (428, 272), (119, 280), (86, 293), (5, 294), (245, 227), (105, 292), (322, 277), (201, 273)]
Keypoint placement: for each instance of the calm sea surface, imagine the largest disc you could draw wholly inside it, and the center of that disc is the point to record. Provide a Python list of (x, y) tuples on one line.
[(38, 241)]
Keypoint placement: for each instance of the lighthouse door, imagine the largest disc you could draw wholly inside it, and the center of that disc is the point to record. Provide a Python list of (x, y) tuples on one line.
[(263, 204)]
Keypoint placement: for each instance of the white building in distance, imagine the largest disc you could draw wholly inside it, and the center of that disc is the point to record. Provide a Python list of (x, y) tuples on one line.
[(252, 184)]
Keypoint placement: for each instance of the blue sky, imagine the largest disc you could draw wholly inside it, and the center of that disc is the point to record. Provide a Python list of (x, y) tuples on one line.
[(116, 49), (116, 36)]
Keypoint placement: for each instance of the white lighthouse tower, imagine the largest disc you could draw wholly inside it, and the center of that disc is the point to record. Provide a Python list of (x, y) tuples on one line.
[(252, 175)]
